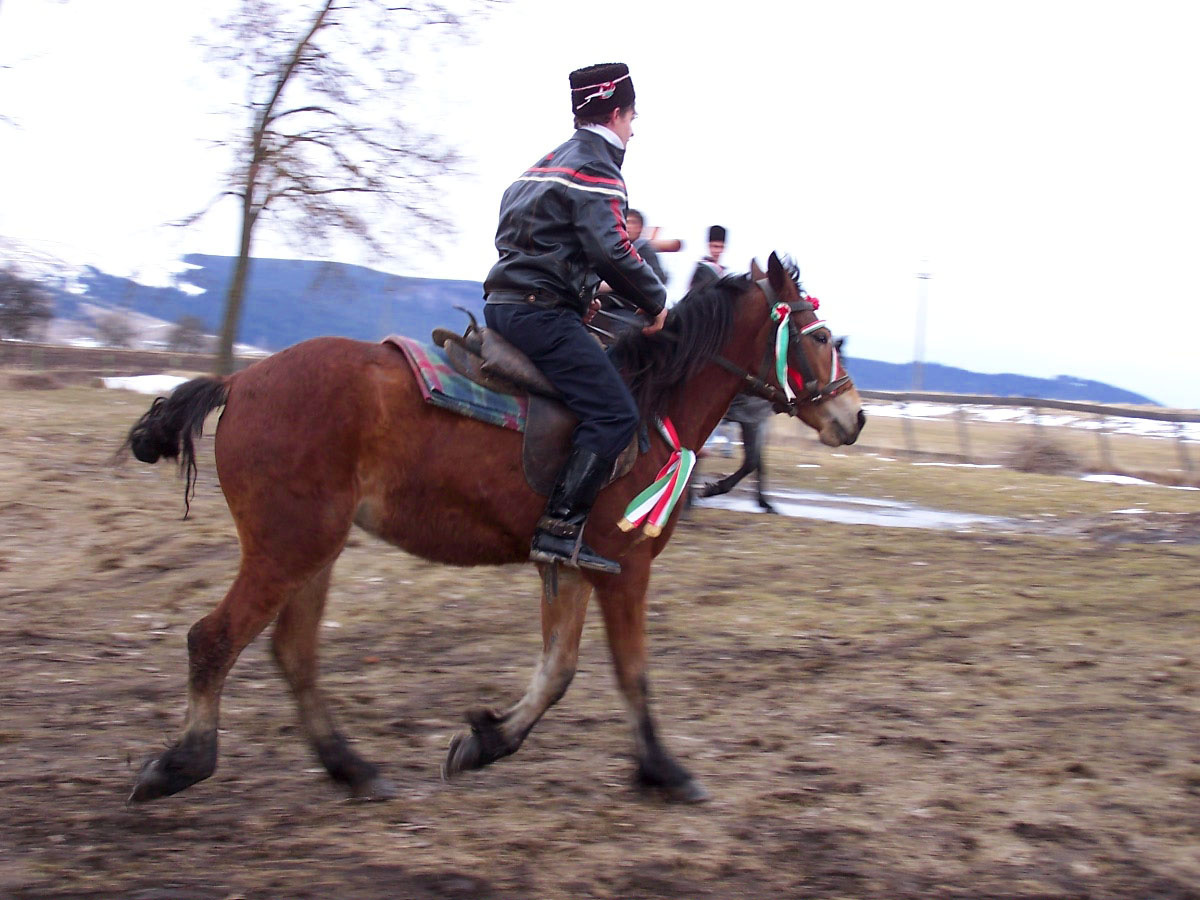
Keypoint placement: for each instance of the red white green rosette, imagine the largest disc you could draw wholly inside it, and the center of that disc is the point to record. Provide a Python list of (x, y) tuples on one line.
[(654, 505)]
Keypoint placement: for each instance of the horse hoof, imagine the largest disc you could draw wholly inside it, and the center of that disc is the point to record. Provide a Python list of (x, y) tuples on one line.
[(158, 778), (150, 784), (691, 791), (376, 789), (180, 766), (464, 754), (678, 787)]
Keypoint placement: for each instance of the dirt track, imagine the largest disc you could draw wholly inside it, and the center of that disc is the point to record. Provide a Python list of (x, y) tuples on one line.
[(878, 713)]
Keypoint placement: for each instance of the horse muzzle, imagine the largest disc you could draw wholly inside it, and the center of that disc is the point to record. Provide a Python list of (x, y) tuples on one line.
[(840, 433)]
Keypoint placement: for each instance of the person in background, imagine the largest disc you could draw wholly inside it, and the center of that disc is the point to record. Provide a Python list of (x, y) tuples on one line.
[(645, 243), (562, 228), (709, 268), (648, 244)]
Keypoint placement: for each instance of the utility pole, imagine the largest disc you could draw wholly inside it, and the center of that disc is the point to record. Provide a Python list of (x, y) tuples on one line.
[(918, 381)]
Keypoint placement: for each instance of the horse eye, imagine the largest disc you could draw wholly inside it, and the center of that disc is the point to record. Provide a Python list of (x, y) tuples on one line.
[(821, 338)]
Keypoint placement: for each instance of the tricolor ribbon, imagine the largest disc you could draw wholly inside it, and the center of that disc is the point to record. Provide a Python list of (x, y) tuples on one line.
[(781, 315), (655, 504)]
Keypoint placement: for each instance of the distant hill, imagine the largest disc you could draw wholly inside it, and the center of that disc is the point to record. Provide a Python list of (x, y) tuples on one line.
[(291, 300), (870, 374)]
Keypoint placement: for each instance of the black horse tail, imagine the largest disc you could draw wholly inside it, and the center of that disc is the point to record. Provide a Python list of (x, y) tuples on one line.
[(169, 427)]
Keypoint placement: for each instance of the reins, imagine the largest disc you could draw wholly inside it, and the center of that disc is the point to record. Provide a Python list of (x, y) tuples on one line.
[(783, 399), (775, 362)]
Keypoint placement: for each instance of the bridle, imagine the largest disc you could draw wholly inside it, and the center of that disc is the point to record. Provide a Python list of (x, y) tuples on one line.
[(777, 362)]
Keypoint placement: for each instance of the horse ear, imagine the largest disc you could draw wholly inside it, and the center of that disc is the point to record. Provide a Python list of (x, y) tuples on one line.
[(776, 274), (755, 272)]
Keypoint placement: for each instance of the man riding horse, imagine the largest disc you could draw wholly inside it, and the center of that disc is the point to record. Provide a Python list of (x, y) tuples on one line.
[(562, 229)]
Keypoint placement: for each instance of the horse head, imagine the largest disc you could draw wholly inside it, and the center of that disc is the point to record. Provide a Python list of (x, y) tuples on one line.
[(806, 376)]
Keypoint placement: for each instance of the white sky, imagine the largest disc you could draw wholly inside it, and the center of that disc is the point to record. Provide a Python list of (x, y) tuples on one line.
[(1040, 158)]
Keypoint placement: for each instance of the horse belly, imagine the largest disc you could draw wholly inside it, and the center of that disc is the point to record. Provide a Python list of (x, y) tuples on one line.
[(446, 488), (441, 530)]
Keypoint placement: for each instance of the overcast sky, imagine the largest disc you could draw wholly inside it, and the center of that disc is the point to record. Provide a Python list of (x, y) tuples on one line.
[(1041, 160)]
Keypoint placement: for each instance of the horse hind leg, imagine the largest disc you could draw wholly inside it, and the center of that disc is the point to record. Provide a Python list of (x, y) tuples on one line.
[(496, 735), (294, 646), (214, 644), (623, 603)]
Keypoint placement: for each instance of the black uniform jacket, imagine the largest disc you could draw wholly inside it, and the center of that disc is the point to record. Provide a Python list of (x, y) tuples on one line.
[(562, 230)]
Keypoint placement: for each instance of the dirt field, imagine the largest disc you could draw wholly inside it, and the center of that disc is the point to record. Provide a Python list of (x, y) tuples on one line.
[(878, 713)]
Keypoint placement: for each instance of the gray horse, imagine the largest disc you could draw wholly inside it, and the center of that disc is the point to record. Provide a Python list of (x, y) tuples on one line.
[(751, 413)]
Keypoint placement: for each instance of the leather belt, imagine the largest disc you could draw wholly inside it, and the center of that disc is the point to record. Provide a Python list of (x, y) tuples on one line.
[(534, 298)]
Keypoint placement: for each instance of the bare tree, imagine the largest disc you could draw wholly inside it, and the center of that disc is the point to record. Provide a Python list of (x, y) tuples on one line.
[(115, 329), (327, 148), (26, 308), (187, 335)]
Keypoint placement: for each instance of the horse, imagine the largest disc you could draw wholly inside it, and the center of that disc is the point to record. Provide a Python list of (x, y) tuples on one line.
[(332, 432)]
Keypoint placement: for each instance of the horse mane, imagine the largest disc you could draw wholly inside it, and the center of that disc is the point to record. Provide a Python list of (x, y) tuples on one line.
[(697, 327)]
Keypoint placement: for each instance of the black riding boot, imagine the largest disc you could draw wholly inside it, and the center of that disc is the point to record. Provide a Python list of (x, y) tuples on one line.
[(559, 535)]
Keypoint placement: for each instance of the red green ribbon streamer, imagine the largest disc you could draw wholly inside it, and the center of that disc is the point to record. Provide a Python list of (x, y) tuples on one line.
[(654, 505)]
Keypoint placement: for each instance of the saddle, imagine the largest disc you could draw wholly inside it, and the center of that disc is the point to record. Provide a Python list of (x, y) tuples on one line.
[(483, 356)]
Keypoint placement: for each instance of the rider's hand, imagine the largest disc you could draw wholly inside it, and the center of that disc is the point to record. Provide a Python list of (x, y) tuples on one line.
[(592, 310), (657, 324)]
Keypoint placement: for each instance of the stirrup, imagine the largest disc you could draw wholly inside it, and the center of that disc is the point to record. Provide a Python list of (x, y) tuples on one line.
[(580, 556)]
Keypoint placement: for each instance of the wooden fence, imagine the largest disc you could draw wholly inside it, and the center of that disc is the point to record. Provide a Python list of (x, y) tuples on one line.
[(1109, 423)]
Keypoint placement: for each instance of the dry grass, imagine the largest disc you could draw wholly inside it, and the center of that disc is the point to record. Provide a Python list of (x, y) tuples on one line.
[(879, 713)]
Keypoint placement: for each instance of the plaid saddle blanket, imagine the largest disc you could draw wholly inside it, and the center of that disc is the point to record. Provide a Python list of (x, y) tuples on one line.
[(444, 387)]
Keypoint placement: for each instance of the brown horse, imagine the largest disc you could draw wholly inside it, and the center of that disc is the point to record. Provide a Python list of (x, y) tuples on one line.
[(332, 433)]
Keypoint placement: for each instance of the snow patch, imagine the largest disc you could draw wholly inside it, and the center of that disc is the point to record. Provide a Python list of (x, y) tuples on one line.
[(145, 384), (1116, 479)]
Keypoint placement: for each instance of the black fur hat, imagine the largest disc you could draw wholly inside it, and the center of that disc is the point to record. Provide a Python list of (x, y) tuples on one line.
[(598, 90), (716, 233)]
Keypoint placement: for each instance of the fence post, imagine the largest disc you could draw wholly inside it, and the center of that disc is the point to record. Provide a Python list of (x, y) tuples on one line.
[(910, 437), (1037, 423), (1181, 443), (964, 443), (1106, 459)]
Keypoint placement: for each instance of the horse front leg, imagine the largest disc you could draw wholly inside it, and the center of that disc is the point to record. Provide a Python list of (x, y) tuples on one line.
[(496, 735), (623, 603)]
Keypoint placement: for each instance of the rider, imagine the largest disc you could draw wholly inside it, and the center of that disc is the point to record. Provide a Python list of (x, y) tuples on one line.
[(709, 268), (562, 228)]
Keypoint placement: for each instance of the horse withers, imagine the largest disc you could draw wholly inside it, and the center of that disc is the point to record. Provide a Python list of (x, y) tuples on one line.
[(332, 433)]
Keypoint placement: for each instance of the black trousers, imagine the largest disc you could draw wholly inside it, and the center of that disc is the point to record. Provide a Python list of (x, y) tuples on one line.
[(753, 434), (557, 342)]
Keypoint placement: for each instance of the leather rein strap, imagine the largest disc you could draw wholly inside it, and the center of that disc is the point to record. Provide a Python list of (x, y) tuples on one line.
[(760, 387)]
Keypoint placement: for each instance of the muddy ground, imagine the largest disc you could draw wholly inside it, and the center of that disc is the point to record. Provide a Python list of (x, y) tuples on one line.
[(877, 712)]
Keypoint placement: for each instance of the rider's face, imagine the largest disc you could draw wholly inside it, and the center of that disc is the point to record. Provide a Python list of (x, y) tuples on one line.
[(621, 124)]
